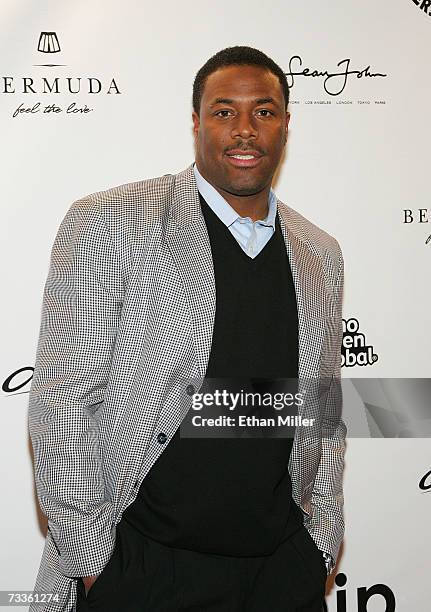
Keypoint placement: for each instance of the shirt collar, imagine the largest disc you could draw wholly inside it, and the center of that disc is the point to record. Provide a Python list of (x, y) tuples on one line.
[(224, 210)]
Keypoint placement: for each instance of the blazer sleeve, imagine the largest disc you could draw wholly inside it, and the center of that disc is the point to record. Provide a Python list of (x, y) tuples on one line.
[(327, 523), (81, 309)]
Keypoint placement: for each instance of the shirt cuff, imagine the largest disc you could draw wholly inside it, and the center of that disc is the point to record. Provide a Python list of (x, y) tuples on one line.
[(329, 562)]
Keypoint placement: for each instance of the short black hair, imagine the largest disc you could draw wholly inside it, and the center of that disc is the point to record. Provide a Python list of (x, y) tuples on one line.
[(236, 56)]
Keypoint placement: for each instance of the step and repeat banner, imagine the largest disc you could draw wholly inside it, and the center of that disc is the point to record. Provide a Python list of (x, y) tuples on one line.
[(97, 94)]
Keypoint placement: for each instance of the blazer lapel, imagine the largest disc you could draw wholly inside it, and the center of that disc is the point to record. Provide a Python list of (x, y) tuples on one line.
[(187, 238), (311, 296)]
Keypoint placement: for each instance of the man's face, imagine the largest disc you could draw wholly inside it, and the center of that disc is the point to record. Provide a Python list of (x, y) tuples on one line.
[(242, 128)]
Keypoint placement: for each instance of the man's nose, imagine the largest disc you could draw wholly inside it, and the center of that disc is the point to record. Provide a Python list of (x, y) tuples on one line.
[(244, 126)]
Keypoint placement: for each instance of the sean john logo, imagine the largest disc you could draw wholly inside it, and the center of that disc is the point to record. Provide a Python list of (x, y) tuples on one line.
[(334, 83)]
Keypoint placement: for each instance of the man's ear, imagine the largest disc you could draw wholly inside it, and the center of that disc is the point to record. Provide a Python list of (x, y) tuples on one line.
[(196, 122), (286, 127)]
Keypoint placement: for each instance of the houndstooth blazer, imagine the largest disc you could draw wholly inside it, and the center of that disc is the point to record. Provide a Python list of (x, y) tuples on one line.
[(127, 316)]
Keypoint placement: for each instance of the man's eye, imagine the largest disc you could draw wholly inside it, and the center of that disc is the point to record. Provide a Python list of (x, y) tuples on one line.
[(223, 113), (266, 111)]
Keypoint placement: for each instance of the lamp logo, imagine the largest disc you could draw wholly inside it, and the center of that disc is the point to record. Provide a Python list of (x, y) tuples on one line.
[(48, 43)]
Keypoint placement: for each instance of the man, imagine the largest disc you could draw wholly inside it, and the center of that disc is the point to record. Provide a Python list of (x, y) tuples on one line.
[(188, 277)]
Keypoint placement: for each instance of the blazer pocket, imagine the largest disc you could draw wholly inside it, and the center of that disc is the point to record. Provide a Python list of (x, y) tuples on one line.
[(311, 556)]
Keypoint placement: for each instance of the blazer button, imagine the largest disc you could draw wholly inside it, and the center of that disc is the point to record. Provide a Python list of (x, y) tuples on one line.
[(161, 438), (190, 390)]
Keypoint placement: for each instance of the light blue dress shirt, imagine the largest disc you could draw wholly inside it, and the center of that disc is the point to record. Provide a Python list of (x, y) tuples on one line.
[(251, 235)]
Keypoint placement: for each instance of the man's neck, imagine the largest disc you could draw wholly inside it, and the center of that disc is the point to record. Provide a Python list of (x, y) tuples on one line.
[(254, 206)]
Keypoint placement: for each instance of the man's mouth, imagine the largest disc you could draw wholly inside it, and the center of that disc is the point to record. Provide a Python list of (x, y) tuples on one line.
[(244, 159), (243, 156)]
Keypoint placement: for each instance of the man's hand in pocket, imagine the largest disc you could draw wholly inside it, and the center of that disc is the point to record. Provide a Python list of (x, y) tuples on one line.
[(88, 582)]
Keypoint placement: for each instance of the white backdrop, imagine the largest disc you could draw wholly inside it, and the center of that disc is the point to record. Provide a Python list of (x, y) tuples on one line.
[(352, 166)]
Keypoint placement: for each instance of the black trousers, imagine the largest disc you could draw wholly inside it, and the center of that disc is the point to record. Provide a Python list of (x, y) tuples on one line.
[(143, 575)]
